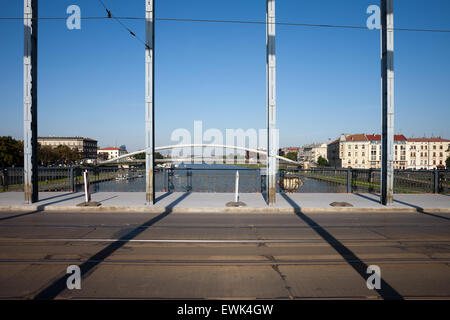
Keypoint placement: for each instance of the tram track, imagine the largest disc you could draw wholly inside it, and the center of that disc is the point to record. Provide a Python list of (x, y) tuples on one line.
[(236, 262)]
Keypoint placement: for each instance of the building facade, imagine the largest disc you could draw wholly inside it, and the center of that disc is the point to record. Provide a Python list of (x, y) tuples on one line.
[(86, 146), (363, 151), (110, 153), (427, 153), (312, 152)]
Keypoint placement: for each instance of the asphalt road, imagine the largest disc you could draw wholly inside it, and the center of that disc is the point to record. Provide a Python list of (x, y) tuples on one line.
[(196, 256)]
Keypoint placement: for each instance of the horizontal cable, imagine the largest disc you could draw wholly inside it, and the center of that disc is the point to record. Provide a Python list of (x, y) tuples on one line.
[(240, 22)]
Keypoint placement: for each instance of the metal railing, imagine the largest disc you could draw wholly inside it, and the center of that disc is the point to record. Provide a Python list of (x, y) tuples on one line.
[(252, 180), (369, 180)]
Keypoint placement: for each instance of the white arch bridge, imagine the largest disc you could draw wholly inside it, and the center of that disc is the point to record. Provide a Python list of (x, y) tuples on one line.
[(185, 146)]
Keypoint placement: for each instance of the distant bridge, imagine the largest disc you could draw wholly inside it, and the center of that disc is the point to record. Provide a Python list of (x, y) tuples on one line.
[(179, 146)]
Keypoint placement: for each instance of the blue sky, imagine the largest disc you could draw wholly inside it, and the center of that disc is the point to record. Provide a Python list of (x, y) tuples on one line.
[(91, 81)]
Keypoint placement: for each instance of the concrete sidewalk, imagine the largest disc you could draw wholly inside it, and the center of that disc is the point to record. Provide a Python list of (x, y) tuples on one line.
[(216, 202)]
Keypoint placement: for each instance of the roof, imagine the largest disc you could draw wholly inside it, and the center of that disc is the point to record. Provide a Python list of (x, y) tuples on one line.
[(66, 138), (110, 149), (367, 137), (335, 141), (377, 137), (438, 139), (356, 137)]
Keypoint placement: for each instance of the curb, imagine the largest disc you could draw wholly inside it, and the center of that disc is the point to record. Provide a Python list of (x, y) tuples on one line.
[(215, 209)]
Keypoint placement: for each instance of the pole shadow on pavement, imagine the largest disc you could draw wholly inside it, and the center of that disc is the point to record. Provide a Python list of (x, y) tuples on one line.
[(87, 267), (386, 291)]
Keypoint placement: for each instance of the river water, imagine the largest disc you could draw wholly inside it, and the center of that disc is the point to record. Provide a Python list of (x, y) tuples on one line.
[(209, 178)]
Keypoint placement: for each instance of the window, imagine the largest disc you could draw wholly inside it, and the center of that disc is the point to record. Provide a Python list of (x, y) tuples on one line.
[(356, 146), (434, 154), (363, 147), (434, 147), (363, 154), (349, 147), (349, 161), (440, 154), (349, 154)]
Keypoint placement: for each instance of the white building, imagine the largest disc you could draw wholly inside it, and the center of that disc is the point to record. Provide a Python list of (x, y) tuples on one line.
[(363, 151), (427, 153), (312, 152), (110, 153)]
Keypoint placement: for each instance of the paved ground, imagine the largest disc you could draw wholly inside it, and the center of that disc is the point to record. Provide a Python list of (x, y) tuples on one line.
[(215, 202), (224, 255)]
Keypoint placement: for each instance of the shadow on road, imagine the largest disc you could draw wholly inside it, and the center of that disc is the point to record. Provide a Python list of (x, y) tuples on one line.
[(19, 215), (419, 209), (386, 291), (58, 286)]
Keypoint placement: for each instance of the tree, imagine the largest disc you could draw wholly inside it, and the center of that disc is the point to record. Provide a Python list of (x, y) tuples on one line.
[(447, 163), (292, 156), (141, 156), (66, 154), (322, 162), (11, 152), (46, 155)]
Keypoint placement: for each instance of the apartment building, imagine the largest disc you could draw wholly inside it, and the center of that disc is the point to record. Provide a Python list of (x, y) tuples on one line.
[(427, 153), (312, 152), (363, 151), (86, 146)]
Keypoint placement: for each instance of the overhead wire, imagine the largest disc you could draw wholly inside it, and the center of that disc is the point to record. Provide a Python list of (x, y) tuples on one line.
[(111, 16), (117, 18)]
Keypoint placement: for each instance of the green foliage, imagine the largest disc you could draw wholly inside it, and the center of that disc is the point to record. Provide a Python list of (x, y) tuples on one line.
[(322, 162), (11, 152), (291, 155), (447, 163), (141, 156)]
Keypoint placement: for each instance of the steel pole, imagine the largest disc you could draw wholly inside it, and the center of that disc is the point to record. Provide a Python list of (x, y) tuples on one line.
[(387, 85), (149, 101), (30, 161), (271, 102)]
